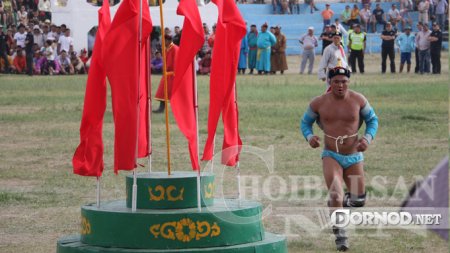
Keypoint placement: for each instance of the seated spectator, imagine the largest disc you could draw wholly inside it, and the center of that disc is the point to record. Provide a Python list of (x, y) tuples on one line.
[(65, 64), (38, 36), (354, 15), (22, 16), (378, 17), (157, 63), (312, 5), (39, 62), (345, 15), (365, 15), (19, 65), (77, 64), (49, 66), (394, 15), (83, 56), (204, 65), (294, 7), (212, 37)]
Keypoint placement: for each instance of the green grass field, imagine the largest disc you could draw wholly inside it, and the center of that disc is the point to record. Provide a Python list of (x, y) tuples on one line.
[(40, 198)]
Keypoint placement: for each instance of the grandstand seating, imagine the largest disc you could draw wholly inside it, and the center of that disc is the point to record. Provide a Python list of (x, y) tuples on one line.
[(293, 26)]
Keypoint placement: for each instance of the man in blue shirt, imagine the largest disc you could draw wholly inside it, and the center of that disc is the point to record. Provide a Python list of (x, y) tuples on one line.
[(406, 44)]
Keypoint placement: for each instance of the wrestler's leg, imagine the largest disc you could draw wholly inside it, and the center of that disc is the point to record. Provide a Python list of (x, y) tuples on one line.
[(354, 180), (332, 173)]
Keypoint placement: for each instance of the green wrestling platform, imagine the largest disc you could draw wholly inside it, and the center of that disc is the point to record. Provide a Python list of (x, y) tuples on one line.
[(167, 220)]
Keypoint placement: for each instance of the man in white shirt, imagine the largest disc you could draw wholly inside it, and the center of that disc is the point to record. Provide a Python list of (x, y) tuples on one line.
[(333, 55), (394, 15), (309, 43), (65, 42), (19, 37), (365, 15)]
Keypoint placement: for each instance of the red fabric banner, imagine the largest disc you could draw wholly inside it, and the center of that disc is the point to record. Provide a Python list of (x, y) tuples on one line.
[(230, 30), (183, 93), (88, 157), (121, 59)]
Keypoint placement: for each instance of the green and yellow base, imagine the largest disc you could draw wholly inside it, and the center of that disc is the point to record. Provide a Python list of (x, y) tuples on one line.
[(167, 220)]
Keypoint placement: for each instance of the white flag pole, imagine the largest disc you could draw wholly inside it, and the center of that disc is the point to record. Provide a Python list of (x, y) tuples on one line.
[(98, 192), (199, 202), (237, 164), (134, 193)]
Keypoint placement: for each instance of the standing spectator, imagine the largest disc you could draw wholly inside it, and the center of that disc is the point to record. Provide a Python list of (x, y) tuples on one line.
[(354, 15), (394, 15), (65, 42), (379, 18), (66, 66), (327, 14), (406, 44), (279, 52), (357, 46), (309, 43), (205, 48), (294, 7), (326, 37), (166, 31), (435, 48), (156, 64), (4, 50), (423, 43), (242, 65), (333, 55), (49, 67), (265, 41), (423, 8), (365, 15), (252, 38), (212, 37), (204, 65), (38, 36), (285, 7), (29, 42), (53, 34), (387, 47), (416, 68), (19, 63), (19, 37), (177, 35), (45, 8), (345, 15), (441, 12)]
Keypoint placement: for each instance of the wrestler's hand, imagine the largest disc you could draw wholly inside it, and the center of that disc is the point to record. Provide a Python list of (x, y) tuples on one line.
[(362, 145), (314, 142)]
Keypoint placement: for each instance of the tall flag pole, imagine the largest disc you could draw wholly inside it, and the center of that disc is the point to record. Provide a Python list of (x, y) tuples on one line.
[(184, 99), (166, 93), (88, 157), (150, 149)]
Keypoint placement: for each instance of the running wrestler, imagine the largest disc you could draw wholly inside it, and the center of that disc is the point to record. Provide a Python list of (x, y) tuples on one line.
[(339, 113)]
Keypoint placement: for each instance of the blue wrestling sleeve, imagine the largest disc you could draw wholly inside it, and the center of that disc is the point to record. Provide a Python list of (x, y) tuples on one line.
[(368, 115), (307, 122)]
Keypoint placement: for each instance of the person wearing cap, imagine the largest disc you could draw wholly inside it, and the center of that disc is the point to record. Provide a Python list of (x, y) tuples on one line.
[(406, 45), (171, 55), (38, 36), (333, 55), (379, 18), (339, 113), (423, 44), (252, 38), (264, 43), (326, 37), (279, 52), (357, 46), (387, 47), (338, 27), (435, 48), (309, 42), (327, 14)]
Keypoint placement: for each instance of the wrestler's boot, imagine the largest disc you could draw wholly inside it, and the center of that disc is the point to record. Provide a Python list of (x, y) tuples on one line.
[(351, 200), (341, 239), (160, 108)]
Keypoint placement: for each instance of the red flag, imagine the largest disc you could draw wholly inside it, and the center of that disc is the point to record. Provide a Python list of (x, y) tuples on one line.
[(88, 157), (183, 95), (230, 30), (121, 58)]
